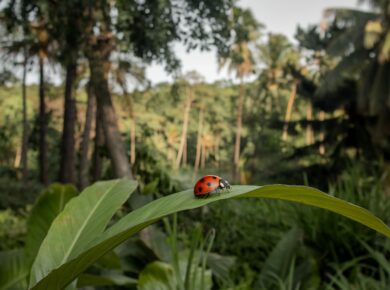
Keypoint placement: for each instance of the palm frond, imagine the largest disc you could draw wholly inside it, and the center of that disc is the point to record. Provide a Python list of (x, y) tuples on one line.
[(349, 67), (349, 16)]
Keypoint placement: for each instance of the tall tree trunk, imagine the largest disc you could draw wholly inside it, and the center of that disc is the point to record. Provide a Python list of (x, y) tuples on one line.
[(99, 76), (290, 104), (67, 162), (309, 128), (198, 142), (240, 107), (42, 155), (186, 118), (24, 157), (84, 147), (99, 143)]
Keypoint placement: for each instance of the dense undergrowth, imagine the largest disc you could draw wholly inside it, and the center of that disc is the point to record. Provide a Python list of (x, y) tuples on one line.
[(250, 244)]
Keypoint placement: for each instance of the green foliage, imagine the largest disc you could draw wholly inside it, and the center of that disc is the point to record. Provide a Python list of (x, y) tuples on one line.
[(153, 172), (14, 194), (282, 269), (360, 185), (158, 128), (14, 271), (157, 275), (366, 272), (340, 66), (12, 229), (81, 222), (68, 262), (246, 229)]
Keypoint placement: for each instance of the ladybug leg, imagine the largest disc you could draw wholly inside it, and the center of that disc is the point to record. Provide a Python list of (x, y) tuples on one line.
[(215, 191)]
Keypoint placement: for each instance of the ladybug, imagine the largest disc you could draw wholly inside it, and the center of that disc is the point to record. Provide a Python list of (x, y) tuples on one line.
[(210, 184)]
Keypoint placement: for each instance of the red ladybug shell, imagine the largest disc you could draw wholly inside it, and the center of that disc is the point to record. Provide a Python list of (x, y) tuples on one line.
[(210, 184), (206, 185)]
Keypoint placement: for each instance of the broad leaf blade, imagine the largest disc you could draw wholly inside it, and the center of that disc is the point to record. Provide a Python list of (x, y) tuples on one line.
[(317, 198), (50, 203), (81, 222), (63, 274), (13, 270)]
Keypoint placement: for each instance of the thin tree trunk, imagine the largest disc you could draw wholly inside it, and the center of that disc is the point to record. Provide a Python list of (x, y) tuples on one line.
[(309, 128), (132, 139), (18, 157), (67, 162), (240, 107), (130, 106), (84, 147), (322, 133), (24, 157), (106, 112), (99, 143), (217, 158), (183, 138), (290, 104), (42, 155), (198, 142), (185, 154), (203, 156)]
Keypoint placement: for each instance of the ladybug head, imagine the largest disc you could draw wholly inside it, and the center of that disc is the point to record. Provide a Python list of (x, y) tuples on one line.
[(224, 184)]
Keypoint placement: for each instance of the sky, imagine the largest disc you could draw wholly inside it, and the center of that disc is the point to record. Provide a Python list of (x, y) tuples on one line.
[(282, 16)]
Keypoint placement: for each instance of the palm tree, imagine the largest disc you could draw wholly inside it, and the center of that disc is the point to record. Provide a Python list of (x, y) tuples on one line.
[(190, 79), (43, 116), (239, 59), (360, 44), (127, 66), (147, 29), (278, 58), (30, 18), (199, 140), (24, 152), (13, 46)]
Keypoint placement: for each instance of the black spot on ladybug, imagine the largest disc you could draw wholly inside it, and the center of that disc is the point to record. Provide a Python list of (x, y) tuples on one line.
[(209, 183), (214, 177), (202, 180), (200, 189)]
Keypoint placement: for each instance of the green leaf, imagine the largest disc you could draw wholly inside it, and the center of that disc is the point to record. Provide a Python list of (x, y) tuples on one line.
[(157, 276), (60, 273), (220, 265), (280, 259), (13, 270), (50, 203), (105, 280), (80, 223)]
